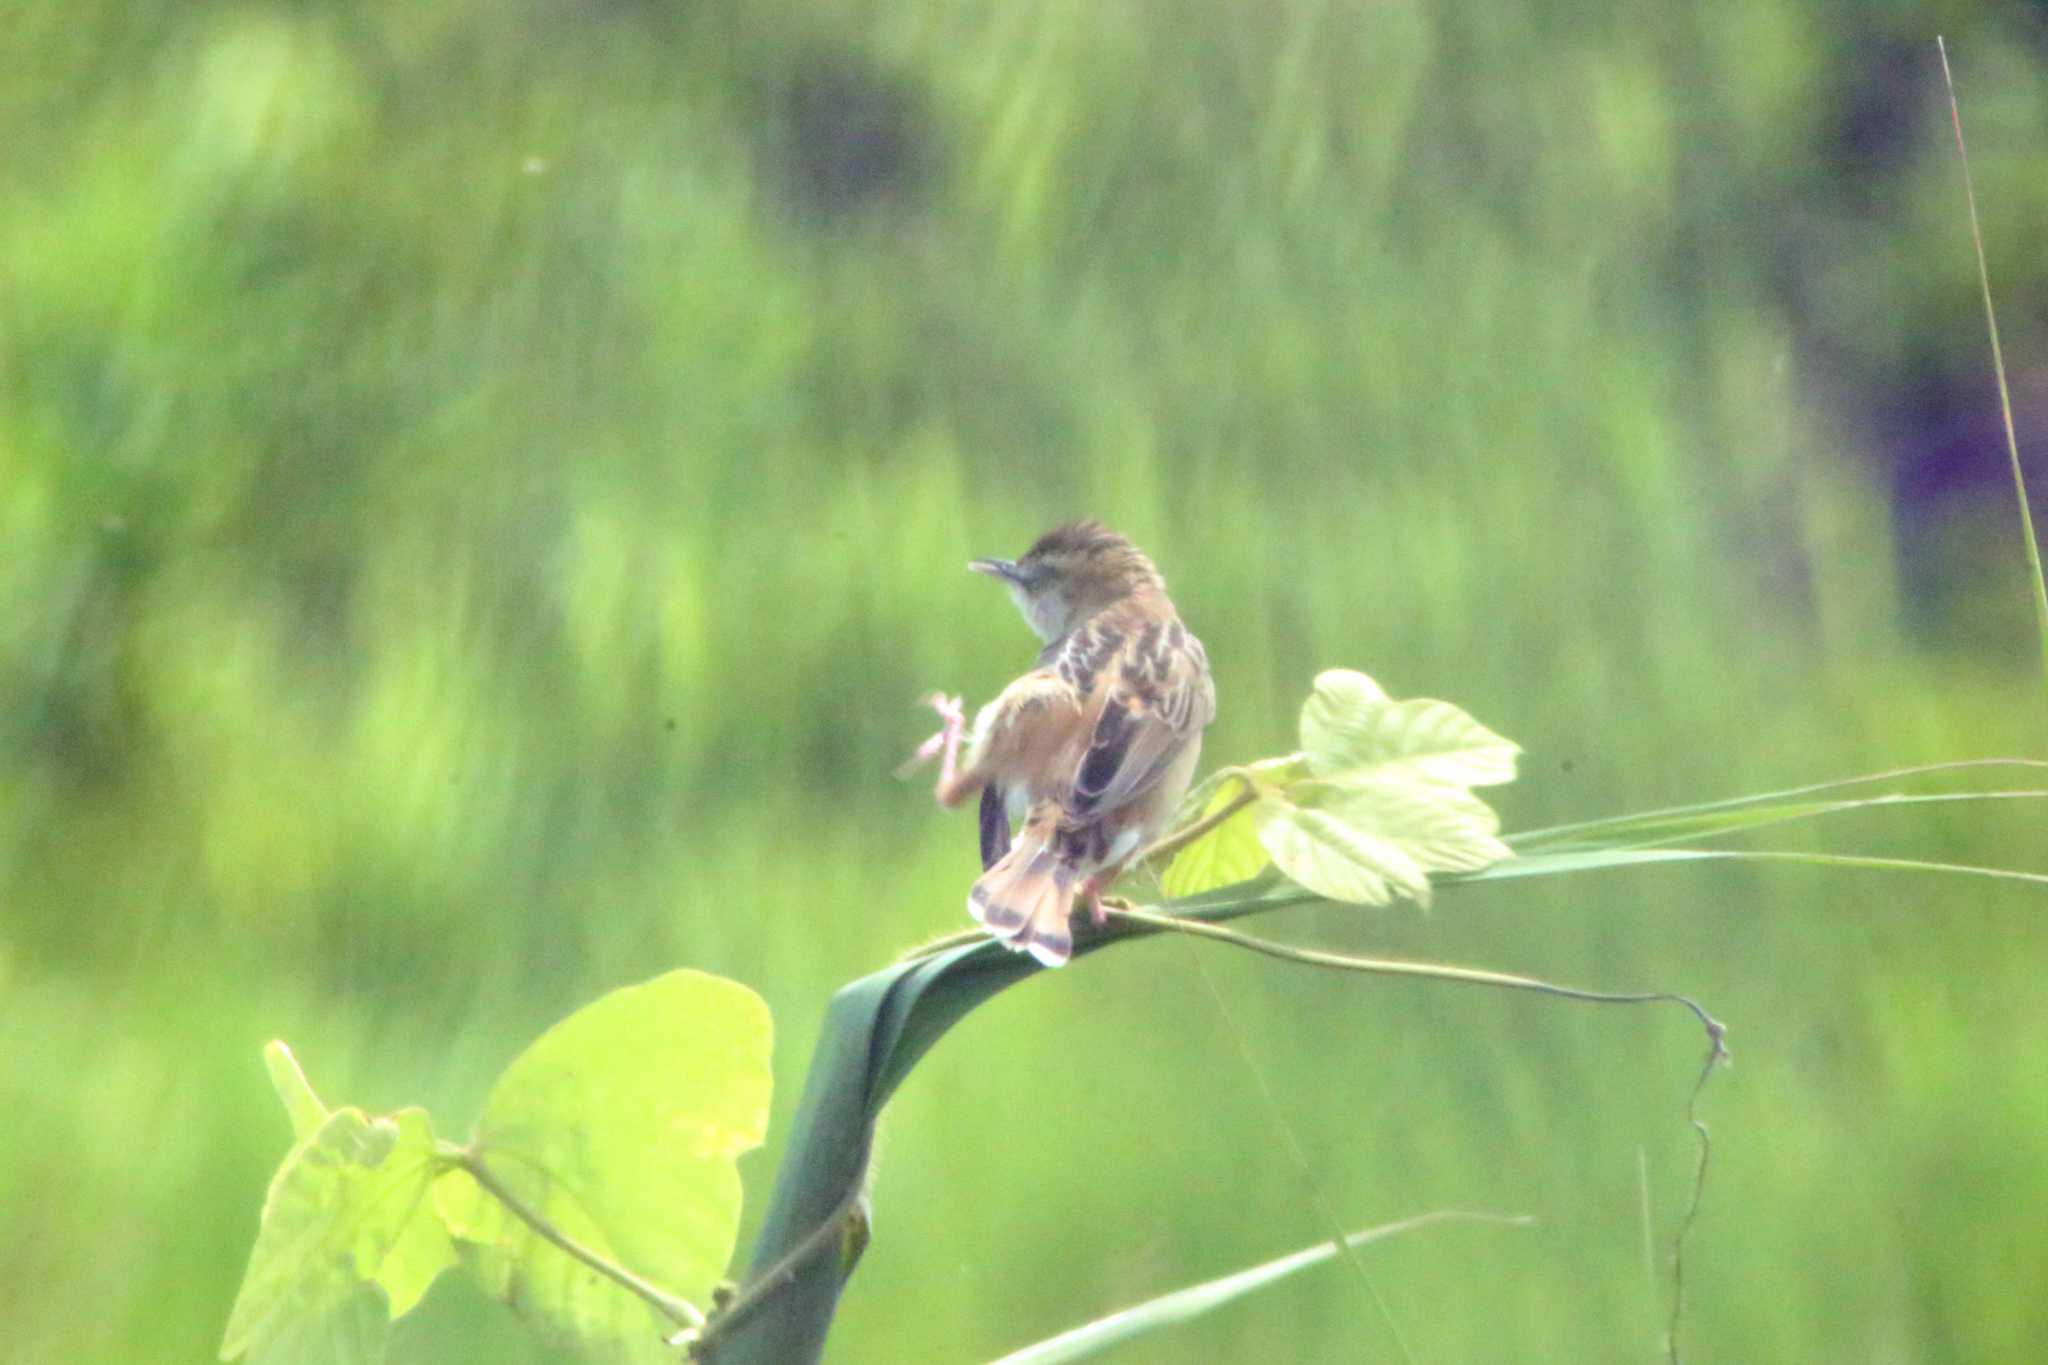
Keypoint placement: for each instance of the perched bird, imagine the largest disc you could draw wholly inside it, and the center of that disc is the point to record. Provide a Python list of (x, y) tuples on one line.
[(1090, 752)]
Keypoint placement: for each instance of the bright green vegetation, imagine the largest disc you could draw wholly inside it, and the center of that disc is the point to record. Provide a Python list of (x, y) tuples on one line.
[(604, 1161), (478, 502)]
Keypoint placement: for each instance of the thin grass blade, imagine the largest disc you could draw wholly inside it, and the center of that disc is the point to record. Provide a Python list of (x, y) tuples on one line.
[(1595, 860), (1185, 1305), (1550, 834), (2012, 443), (1650, 830)]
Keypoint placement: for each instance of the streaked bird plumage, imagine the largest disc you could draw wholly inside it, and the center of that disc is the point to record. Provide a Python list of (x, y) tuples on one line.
[(1090, 753)]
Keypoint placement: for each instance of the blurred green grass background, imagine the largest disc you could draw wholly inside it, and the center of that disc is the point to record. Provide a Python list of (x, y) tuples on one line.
[(482, 486)]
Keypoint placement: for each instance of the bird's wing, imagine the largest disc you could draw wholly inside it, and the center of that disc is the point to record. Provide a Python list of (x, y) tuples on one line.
[(1030, 720), (995, 824), (1150, 694)]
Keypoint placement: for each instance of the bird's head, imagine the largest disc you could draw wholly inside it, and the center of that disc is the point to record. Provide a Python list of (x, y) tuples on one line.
[(1070, 573)]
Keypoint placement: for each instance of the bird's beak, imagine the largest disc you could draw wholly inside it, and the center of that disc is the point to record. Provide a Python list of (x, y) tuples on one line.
[(1005, 569)]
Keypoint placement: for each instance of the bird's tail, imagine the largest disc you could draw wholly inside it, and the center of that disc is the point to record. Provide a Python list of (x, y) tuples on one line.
[(1026, 897)]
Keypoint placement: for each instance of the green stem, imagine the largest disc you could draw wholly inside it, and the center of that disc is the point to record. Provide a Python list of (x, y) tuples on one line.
[(776, 1278), (1717, 1039), (1427, 971), (1173, 843), (471, 1163), (2012, 443)]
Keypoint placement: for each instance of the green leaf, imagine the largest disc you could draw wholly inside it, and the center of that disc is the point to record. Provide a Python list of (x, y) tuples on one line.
[(353, 1331), (1386, 802), (622, 1125), (347, 1210), (416, 1257), (1350, 727), (1369, 841), (294, 1090), (1185, 1305), (1227, 854)]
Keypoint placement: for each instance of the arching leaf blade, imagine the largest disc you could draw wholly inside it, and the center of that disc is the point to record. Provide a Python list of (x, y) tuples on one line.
[(1195, 1301)]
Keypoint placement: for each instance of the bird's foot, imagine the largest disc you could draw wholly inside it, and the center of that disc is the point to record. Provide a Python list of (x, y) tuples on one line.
[(945, 745), (1098, 904)]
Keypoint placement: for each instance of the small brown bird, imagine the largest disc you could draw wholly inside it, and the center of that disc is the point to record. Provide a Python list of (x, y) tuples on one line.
[(1092, 750)]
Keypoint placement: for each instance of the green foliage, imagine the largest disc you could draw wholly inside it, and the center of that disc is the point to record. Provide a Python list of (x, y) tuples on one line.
[(620, 1126), (616, 1131), (1377, 799), (1369, 843), (1352, 732), (348, 1210), (1231, 852), (294, 1091)]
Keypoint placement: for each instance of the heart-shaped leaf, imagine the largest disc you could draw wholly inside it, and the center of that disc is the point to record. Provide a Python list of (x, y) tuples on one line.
[(622, 1126)]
